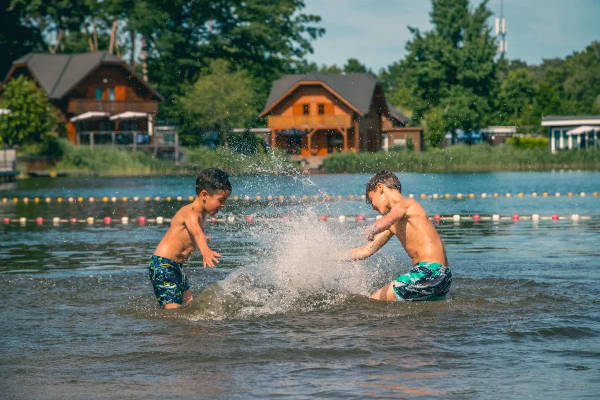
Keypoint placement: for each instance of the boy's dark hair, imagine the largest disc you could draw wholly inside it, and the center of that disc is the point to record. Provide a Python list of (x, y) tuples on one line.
[(212, 180), (386, 178)]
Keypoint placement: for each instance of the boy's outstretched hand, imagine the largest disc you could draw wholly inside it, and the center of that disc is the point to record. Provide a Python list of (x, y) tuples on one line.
[(209, 257)]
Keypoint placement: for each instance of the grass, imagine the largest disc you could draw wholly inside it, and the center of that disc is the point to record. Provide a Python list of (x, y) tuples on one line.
[(111, 161), (462, 158)]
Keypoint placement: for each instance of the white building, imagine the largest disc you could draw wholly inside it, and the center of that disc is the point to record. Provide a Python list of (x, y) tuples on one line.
[(572, 132)]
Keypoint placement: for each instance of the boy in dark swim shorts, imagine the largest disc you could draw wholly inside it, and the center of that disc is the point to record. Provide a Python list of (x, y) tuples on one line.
[(430, 278), (186, 234)]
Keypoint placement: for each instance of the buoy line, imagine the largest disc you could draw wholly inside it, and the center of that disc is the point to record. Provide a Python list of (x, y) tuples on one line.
[(280, 198), (249, 219)]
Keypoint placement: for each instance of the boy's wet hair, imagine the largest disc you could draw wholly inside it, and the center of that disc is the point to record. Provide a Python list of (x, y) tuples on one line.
[(387, 179), (212, 180)]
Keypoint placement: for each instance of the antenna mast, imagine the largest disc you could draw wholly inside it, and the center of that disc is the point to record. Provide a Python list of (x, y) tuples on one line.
[(501, 30)]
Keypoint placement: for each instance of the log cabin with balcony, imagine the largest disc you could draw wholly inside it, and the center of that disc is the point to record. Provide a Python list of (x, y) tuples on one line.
[(101, 98), (316, 114)]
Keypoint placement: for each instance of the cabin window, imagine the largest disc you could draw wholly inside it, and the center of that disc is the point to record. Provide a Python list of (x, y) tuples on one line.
[(98, 93), (111, 94), (321, 108), (305, 109)]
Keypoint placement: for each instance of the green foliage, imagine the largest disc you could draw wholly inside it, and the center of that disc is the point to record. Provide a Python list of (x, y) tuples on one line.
[(31, 119), (270, 163), (528, 142), (451, 67), (462, 158), (17, 37), (433, 133), (111, 161), (219, 100), (245, 143), (355, 66)]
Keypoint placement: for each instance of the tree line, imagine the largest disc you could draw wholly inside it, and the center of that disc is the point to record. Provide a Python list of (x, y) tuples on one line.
[(214, 61)]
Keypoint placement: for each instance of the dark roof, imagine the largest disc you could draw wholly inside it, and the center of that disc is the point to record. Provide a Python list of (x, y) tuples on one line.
[(395, 113), (57, 74), (356, 89), (569, 117)]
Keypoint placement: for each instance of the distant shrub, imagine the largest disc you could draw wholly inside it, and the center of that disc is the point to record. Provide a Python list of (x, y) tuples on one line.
[(529, 143)]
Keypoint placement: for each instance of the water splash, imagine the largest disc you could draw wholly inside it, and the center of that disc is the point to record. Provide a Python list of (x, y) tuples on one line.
[(301, 269)]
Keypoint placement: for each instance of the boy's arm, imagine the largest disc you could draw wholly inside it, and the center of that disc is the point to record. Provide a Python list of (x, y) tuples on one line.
[(396, 213), (209, 257), (360, 253)]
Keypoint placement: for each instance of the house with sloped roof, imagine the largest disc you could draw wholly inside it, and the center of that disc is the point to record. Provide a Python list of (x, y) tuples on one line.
[(318, 114), (102, 99)]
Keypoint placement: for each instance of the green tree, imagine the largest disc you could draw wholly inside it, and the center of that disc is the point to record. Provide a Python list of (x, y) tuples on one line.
[(434, 131), (266, 39), (32, 119), (355, 66), (451, 67), (517, 96), (17, 37), (221, 99)]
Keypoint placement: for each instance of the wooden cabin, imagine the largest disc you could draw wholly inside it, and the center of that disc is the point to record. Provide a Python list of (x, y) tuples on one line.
[(102, 99), (318, 114)]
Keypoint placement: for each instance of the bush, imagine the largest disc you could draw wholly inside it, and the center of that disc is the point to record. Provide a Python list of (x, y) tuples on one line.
[(461, 158), (32, 119), (528, 142)]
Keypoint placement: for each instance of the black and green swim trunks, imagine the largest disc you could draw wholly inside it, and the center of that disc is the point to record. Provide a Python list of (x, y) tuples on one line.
[(168, 280), (425, 281)]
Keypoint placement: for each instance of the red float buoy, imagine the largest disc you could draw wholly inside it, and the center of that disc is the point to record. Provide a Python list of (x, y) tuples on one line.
[(6, 221), (142, 220), (73, 220), (249, 219), (437, 218), (39, 220), (515, 217), (323, 218), (213, 219), (360, 218), (107, 220), (555, 216), (476, 217)]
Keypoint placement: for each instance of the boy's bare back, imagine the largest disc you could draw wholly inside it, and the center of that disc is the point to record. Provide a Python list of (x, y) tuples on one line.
[(416, 233)]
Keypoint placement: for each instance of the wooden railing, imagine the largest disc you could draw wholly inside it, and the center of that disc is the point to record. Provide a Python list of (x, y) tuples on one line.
[(309, 121), (79, 106)]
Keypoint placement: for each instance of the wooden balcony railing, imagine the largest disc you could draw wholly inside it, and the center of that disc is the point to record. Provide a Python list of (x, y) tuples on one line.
[(79, 106), (309, 121)]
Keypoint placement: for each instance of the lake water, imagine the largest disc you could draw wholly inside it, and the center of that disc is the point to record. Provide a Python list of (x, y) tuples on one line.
[(281, 316)]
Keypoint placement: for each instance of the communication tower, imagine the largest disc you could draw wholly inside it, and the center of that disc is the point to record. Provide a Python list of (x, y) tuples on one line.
[(501, 30)]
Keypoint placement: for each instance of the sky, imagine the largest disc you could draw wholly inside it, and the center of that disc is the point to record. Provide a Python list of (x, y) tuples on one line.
[(375, 31)]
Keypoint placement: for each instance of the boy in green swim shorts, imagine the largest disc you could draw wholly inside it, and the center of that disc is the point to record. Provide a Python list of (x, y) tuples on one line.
[(430, 278), (185, 235)]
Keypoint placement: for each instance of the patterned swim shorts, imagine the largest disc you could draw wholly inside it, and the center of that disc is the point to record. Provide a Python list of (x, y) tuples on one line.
[(425, 281), (168, 280)]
